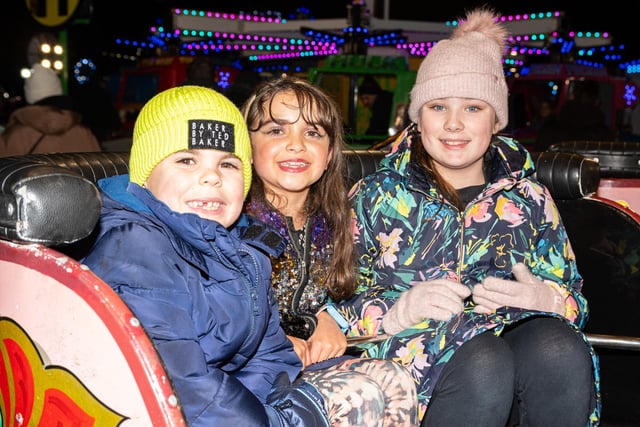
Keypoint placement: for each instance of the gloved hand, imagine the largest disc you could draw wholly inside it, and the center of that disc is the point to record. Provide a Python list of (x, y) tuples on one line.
[(297, 404), (438, 299), (526, 291)]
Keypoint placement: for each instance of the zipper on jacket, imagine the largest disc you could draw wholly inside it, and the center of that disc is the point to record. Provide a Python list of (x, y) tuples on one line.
[(303, 253)]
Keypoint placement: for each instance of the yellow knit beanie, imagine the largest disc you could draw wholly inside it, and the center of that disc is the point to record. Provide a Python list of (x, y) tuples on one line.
[(186, 118)]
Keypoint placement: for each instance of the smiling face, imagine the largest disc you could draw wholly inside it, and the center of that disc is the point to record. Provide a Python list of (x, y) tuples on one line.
[(456, 132), (289, 154), (208, 183)]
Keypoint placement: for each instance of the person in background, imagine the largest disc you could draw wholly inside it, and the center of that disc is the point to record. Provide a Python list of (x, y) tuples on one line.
[(464, 261), (380, 102), (243, 86), (98, 111), (201, 72), (579, 119), (546, 112), (176, 247), (49, 122), (298, 188)]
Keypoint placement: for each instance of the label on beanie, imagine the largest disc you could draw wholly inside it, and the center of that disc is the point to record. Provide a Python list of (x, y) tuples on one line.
[(212, 134)]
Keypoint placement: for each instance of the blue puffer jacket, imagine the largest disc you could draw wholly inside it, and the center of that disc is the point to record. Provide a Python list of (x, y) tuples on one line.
[(405, 233), (203, 295)]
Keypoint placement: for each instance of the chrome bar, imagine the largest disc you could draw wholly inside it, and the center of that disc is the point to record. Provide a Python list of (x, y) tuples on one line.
[(597, 340), (614, 342)]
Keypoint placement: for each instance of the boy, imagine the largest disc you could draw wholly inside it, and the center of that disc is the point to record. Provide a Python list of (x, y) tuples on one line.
[(176, 247)]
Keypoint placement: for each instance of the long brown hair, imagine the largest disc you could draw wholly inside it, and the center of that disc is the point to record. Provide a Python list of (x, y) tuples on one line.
[(328, 195), (420, 155)]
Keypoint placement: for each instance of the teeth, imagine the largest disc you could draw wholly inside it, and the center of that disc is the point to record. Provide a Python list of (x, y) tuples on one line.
[(294, 164), (446, 142), (204, 205)]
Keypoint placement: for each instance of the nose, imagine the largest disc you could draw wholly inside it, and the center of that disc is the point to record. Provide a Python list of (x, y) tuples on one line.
[(211, 177), (453, 123), (295, 143)]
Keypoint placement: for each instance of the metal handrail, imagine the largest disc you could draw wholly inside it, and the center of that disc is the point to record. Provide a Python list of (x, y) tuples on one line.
[(617, 342)]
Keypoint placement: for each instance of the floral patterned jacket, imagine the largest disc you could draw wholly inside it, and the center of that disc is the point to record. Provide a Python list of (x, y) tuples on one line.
[(405, 233)]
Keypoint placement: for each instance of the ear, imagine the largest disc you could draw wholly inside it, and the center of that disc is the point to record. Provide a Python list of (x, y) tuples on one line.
[(496, 127)]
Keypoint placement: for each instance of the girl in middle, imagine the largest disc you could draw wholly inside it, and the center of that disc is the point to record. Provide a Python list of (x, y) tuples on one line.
[(299, 189)]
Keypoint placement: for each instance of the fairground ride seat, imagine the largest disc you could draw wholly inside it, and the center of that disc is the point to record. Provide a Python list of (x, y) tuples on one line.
[(71, 352), (605, 236), (49, 207)]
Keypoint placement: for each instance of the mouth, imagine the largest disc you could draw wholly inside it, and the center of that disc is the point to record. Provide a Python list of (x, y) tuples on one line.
[(206, 206), (295, 165), (453, 143)]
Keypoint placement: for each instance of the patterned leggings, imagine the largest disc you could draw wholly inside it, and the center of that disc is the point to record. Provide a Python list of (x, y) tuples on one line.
[(367, 392)]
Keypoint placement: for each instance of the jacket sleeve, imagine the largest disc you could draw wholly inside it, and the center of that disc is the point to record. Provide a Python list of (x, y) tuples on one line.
[(371, 300), (556, 260), (146, 283), (275, 350)]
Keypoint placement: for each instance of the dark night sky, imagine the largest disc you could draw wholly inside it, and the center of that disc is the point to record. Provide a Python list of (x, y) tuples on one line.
[(132, 18)]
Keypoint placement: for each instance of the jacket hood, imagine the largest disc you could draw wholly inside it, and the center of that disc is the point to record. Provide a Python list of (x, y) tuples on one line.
[(46, 119)]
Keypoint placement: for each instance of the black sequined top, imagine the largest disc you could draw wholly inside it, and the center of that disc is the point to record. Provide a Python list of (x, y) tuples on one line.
[(300, 273)]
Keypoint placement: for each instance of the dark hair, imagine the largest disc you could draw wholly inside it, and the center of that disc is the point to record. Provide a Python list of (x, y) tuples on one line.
[(369, 85), (329, 194), (421, 157)]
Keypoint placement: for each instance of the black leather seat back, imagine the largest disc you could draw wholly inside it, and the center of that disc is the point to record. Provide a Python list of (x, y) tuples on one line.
[(51, 198)]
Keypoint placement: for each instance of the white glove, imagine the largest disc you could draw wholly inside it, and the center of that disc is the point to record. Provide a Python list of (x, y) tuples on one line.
[(526, 291), (438, 299)]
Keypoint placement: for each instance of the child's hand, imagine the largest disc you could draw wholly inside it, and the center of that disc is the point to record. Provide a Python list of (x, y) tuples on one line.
[(301, 347), (438, 299), (526, 291), (327, 340)]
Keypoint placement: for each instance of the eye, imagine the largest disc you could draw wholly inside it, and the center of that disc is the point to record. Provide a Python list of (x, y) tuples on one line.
[(474, 108), (185, 160), (437, 107), (316, 132), (272, 129), (231, 164)]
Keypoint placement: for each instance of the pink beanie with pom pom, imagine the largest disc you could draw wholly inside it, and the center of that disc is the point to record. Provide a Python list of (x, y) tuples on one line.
[(469, 65)]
